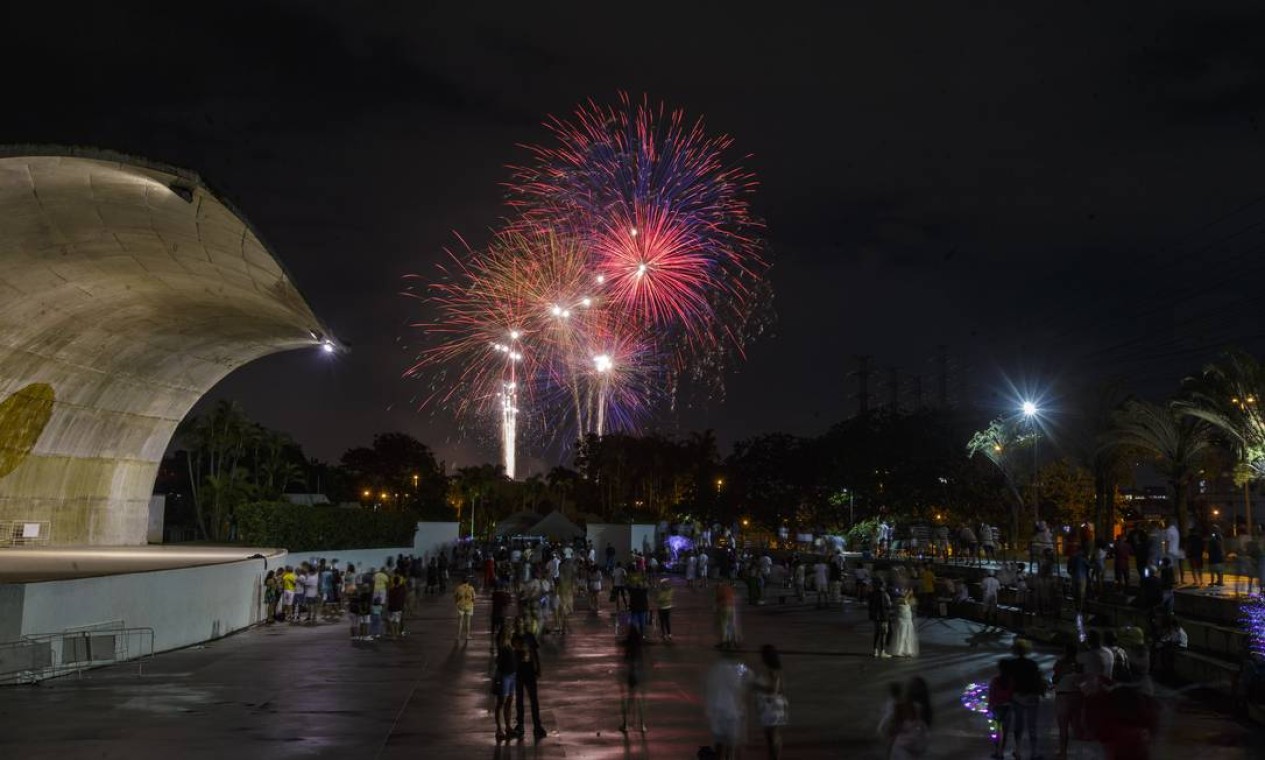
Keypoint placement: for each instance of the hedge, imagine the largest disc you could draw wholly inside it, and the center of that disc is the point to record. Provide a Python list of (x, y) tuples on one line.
[(304, 528)]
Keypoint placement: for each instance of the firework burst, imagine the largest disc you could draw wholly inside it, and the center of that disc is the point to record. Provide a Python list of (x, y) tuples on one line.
[(633, 259), (665, 216)]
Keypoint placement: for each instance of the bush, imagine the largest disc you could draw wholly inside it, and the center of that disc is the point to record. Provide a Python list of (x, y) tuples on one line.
[(321, 528)]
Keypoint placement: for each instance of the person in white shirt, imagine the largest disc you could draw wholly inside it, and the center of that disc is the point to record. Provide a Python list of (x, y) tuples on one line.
[(1096, 662), (990, 586), (311, 581), (703, 560), (821, 582)]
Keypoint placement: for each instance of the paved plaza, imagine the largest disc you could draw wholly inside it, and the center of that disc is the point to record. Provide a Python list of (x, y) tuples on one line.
[(297, 692)]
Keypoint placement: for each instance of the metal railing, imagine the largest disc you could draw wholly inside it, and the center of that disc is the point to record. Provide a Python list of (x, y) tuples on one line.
[(36, 657), (25, 532)]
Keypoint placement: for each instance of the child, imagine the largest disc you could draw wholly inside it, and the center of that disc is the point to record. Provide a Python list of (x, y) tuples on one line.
[(1000, 693)]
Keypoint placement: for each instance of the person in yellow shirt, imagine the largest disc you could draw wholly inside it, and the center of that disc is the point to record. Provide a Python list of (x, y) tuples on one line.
[(289, 582), (463, 597)]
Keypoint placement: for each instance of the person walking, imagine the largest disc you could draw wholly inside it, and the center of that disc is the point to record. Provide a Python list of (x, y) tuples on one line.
[(909, 727), (771, 700), (726, 616), (595, 589), (881, 616), (632, 681), (504, 680), (527, 673), (725, 701), (463, 598)]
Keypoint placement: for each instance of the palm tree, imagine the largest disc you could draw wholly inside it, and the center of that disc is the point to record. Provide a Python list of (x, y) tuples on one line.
[(1228, 396), (1176, 441), (216, 442)]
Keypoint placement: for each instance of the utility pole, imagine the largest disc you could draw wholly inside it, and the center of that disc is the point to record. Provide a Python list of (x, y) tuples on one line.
[(942, 367), (862, 374)]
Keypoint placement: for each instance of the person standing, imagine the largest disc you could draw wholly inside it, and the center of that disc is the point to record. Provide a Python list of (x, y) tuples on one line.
[(1216, 558), (1067, 697), (1123, 550), (1029, 687), (1173, 549), (821, 582), (990, 587), (904, 634), (988, 541), (397, 595), (881, 616), (1000, 696), (528, 671), (691, 571), (619, 593), (663, 600), (703, 569), (289, 583), (311, 593), (270, 596), (463, 598)]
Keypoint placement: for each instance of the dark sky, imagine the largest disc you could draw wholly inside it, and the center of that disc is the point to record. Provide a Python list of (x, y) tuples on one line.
[(1049, 190)]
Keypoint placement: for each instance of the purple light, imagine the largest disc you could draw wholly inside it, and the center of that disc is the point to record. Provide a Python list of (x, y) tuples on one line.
[(975, 699), (676, 545), (1253, 618)]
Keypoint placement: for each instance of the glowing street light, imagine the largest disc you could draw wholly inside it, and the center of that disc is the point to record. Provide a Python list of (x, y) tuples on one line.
[(1032, 413)]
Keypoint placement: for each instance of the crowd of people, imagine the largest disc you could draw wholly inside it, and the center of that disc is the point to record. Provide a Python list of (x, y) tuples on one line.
[(1100, 690)]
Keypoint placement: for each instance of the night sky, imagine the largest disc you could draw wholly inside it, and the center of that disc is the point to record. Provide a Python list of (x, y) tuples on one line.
[(1055, 191)]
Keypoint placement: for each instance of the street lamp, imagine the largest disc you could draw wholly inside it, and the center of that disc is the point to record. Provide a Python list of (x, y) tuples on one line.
[(1030, 412)]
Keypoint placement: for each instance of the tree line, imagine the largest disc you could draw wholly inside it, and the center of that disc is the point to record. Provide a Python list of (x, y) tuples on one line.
[(931, 466)]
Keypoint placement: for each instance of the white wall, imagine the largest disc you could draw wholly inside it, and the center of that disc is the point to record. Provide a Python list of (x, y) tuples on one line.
[(184, 606), (619, 536), (642, 536), (431, 536)]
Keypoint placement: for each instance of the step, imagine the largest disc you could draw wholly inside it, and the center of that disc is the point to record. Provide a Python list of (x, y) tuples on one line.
[(1214, 673)]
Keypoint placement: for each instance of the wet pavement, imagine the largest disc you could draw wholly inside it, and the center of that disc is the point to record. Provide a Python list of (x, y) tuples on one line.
[(305, 692)]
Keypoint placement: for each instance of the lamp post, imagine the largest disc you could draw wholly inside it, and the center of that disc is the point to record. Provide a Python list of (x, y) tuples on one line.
[(1030, 412)]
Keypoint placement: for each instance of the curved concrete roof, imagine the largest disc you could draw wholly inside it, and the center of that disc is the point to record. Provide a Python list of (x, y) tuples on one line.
[(127, 290)]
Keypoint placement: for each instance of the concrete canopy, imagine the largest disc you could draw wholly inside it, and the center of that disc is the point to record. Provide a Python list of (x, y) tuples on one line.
[(127, 290)]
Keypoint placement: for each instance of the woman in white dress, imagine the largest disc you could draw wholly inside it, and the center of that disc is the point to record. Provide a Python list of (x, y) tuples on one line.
[(904, 635)]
